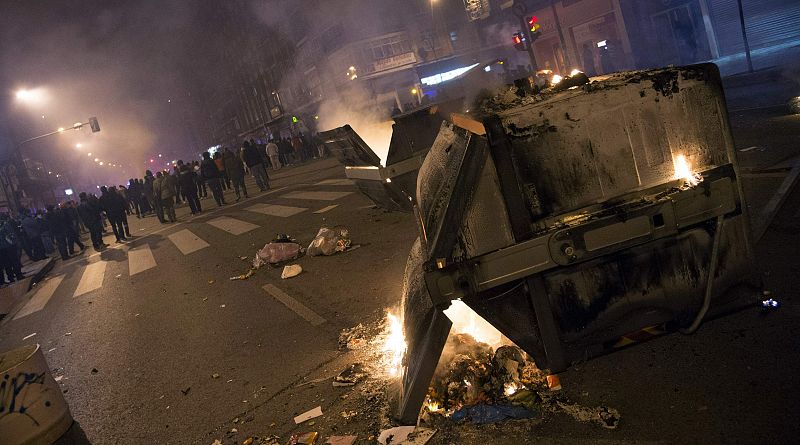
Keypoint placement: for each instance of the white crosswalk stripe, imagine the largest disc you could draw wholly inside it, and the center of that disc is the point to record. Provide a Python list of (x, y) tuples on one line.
[(296, 306), (316, 196), (335, 182), (276, 210), (187, 242), (41, 297), (140, 259), (232, 226), (91, 279), (327, 209)]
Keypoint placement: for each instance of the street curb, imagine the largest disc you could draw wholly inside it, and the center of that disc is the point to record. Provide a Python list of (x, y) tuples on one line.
[(33, 280)]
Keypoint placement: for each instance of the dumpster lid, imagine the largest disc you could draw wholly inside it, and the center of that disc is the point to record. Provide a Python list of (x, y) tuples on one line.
[(349, 148)]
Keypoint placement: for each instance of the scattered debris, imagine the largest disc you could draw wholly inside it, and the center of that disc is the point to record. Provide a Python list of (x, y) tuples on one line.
[(395, 435), (347, 415), (291, 271), (249, 440), (481, 414), (278, 251), (605, 416), (58, 378), (68, 334), (303, 439), (222, 305), (51, 350), (95, 371), (186, 391), (28, 336), (308, 415), (356, 337), (341, 440), (243, 258), (118, 275), (215, 376), (217, 442), (329, 241), (210, 281), (350, 376), (245, 276)]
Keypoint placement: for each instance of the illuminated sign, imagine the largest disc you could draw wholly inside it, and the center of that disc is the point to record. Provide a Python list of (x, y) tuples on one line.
[(449, 75)]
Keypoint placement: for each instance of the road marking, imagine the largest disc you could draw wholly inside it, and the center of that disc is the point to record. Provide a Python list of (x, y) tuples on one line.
[(91, 279), (231, 225), (296, 306), (317, 196), (187, 242), (276, 210), (140, 259), (335, 182), (41, 297), (325, 209)]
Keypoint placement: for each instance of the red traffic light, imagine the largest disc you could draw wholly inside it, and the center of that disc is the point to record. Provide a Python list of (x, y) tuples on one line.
[(533, 23), (533, 19)]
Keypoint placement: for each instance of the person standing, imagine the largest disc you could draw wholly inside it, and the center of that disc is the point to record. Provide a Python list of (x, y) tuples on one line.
[(90, 215), (57, 226), (223, 176), (70, 217), (188, 183), (33, 231), (155, 204), (114, 211), (9, 257), (210, 174), (252, 159), (175, 173), (202, 191), (274, 154), (235, 170), (124, 216), (166, 190)]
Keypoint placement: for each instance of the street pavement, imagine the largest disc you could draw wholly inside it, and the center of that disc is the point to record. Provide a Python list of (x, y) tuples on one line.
[(138, 331), (157, 319)]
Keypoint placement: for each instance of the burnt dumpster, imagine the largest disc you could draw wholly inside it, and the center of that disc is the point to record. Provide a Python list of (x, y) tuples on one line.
[(391, 187), (575, 217)]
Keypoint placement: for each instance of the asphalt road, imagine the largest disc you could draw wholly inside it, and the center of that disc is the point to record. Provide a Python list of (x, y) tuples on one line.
[(156, 324), (156, 330)]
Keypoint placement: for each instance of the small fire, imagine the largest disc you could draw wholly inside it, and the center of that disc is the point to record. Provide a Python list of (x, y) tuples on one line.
[(683, 170), (510, 389), (466, 321), (555, 79), (432, 406), (575, 72), (394, 346)]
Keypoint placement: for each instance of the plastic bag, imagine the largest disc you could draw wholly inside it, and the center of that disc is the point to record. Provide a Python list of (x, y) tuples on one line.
[(274, 253), (329, 241)]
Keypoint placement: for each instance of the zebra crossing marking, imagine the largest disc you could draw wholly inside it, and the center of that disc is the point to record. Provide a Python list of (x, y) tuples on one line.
[(140, 259), (341, 181), (276, 210), (91, 279), (231, 225), (327, 209), (316, 196), (41, 297), (187, 242)]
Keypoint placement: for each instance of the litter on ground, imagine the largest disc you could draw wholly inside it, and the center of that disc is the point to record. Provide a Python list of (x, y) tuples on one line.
[(308, 415)]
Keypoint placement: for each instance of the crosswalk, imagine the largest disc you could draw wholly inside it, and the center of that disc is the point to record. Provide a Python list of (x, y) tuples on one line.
[(140, 258)]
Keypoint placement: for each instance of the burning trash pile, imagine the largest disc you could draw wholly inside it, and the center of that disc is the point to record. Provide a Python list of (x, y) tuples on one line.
[(476, 383)]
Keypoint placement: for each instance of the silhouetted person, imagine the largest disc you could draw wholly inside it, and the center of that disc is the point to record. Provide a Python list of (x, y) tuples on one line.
[(211, 175), (92, 219)]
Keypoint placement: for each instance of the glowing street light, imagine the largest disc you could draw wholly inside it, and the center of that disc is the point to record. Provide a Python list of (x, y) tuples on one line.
[(96, 159), (89, 154), (101, 162), (78, 145), (60, 129)]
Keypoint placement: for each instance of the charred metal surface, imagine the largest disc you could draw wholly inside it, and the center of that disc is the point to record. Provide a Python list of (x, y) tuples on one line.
[(606, 239)]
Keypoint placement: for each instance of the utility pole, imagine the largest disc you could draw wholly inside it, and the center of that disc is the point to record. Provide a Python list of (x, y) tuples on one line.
[(561, 36)]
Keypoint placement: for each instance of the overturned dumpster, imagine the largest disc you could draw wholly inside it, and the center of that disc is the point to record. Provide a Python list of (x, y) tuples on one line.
[(570, 218), (391, 187)]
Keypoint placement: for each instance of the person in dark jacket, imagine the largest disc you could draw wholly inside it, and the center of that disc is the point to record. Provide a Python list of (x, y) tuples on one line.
[(56, 222), (187, 179), (70, 216), (110, 204), (9, 256), (255, 164), (90, 215), (212, 177), (33, 231), (235, 171)]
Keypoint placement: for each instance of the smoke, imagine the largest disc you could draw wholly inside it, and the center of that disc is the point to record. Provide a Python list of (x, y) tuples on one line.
[(373, 124)]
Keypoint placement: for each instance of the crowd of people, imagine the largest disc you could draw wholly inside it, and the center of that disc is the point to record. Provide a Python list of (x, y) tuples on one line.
[(40, 233)]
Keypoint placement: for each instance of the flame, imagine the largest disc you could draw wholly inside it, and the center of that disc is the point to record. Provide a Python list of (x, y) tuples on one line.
[(575, 72), (555, 79), (510, 388), (432, 406), (683, 170), (394, 345), (466, 321)]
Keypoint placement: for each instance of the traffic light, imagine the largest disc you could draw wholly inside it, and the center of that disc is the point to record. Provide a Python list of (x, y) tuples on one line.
[(519, 41), (533, 24), (94, 124)]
